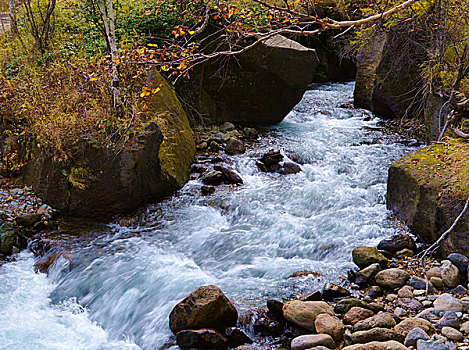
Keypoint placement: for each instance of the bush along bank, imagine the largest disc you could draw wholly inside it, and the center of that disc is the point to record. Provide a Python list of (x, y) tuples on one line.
[(390, 302)]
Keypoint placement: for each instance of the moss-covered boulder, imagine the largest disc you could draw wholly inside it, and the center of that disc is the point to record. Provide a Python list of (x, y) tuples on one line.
[(427, 189), (99, 182), (260, 86)]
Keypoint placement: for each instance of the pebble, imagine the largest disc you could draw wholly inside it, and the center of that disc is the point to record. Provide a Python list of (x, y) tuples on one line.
[(414, 335), (430, 345), (446, 302), (449, 319), (449, 274), (452, 334)]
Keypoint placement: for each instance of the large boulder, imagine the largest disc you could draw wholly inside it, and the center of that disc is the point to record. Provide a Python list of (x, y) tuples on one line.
[(207, 307), (99, 182), (427, 190), (260, 86)]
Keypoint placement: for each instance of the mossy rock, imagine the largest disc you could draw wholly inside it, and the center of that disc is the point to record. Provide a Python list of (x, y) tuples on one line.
[(427, 190), (99, 182), (365, 256)]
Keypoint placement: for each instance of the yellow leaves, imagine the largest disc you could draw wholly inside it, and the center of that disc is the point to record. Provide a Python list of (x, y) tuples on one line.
[(165, 68), (93, 79)]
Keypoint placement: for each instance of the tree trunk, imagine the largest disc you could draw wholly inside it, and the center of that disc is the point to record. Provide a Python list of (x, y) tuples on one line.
[(12, 13), (110, 29)]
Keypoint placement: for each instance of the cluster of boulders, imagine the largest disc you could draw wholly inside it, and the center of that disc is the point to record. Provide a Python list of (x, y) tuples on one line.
[(272, 161), (391, 303), (22, 216)]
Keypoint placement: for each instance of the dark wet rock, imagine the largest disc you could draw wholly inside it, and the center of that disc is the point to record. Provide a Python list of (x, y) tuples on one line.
[(345, 305), (430, 345), (43, 265), (289, 168), (207, 190), (7, 238), (331, 325), (212, 178), (207, 307), (392, 278), (275, 308), (367, 274), (460, 261), (227, 126), (230, 177), (375, 334), (236, 337), (409, 304), (315, 296), (414, 335), (332, 291), (304, 313), (458, 290), (312, 340), (201, 339), (396, 243), (420, 283), (261, 322), (251, 133), (215, 145), (449, 319), (373, 292), (381, 320), (405, 326), (235, 146), (198, 168), (28, 220), (269, 162)]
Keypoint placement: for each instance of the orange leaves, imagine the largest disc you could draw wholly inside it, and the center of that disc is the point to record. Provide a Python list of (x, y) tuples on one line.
[(149, 90)]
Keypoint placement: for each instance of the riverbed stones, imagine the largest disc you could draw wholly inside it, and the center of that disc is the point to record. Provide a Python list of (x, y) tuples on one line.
[(28, 220), (397, 243), (420, 283), (405, 292), (365, 275), (212, 178), (409, 304), (375, 334), (365, 256), (311, 340), (428, 314), (356, 314), (201, 339), (304, 313), (449, 319), (414, 335), (331, 325), (460, 261), (207, 307), (7, 238), (229, 177), (446, 302), (392, 278), (234, 146), (345, 305), (374, 345), (437, 282), (430, 345), (452, 334), (449, 274), (236, 337), (435, 271), (406, 325), (465, 304), (332, 291), (381, 320), (465, 328), (270, 161)]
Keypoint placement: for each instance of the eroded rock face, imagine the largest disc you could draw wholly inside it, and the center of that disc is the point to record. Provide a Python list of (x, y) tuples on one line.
[(427, 203), (259, 87), (100, 183), (207, 307)]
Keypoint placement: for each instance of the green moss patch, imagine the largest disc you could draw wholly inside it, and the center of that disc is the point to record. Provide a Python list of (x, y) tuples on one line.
[(443, 165)]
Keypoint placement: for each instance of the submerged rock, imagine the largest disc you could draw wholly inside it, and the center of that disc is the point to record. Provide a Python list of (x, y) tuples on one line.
[(207, 307)]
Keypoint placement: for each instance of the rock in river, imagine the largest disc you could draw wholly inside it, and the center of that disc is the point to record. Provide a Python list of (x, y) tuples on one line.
[(201, 339), (365, 256), (207, 307), (304, 313)]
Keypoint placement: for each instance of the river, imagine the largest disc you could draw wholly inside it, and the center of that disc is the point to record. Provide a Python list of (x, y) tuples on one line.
[(246, 240)]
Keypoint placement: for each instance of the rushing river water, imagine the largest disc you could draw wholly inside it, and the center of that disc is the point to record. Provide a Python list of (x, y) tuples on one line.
[(246, 240)]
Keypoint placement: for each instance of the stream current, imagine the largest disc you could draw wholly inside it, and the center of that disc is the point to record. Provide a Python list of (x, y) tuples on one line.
[(246, 240)]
